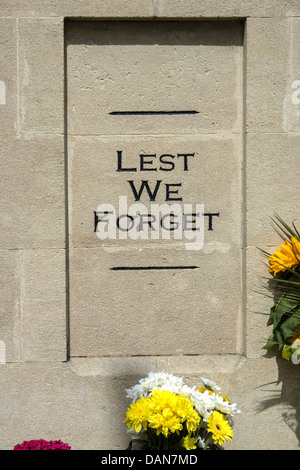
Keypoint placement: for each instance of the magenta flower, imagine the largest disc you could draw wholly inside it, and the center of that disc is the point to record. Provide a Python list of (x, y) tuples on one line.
[(41, 444)]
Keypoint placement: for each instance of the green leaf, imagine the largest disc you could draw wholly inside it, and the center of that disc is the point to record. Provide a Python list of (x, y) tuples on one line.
[(274, 340), (286, 230)]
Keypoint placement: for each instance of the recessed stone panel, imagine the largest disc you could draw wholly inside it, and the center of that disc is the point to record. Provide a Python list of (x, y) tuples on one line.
[(154, 122)]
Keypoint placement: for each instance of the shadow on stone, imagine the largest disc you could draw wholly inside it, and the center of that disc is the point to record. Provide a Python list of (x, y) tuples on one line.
[(288, 400)]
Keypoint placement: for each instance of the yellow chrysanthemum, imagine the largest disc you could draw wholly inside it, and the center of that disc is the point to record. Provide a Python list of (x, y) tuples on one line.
[(137, 415), (219, 427), (189, 442), (169, 411), (288, 256)]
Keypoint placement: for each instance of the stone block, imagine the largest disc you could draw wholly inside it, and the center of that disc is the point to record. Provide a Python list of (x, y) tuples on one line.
[(272, 169), (43, 331), (267, 50), (79, 8), (150, 8), (44, 321), (95, 181), (41, 75), (33, 305), (32, 188), (120, 73), (159, 309), (219, 9), (8, 76), (44, 275), (293, 8), (10, 305)]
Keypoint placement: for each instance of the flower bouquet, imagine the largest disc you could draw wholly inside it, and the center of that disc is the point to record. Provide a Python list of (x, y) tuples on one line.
[(167, 414), (284, 288)]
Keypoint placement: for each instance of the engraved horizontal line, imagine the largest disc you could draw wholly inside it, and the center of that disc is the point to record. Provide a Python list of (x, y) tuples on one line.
[(150, 113), (199, 132), (149, 268)]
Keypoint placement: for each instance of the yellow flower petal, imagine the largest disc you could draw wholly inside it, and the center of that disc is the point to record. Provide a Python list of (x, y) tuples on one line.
[(286, 257), (189, 442), (219, 427)]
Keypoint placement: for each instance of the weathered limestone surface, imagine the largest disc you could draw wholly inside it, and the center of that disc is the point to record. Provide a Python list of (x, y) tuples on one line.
[(8, 79), (81, 400), (144, 66), (33, 310), (169, 66), (41, 75), (131, 320), (99, 168), (151, 8), (10, 300), (273, 177), (32, 191), (43, 305)]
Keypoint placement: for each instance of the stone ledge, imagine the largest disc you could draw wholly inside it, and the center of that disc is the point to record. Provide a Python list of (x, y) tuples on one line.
[(135, 365), (149, 8)]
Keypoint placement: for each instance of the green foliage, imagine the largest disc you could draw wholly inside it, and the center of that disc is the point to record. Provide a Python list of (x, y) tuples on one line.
[(285, 290), (285, 318)]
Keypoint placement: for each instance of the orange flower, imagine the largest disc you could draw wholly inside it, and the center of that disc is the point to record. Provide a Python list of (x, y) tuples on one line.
[(288, 256)]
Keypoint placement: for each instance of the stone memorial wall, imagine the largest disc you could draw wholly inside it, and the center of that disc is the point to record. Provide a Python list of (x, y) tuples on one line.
[(144, 147)]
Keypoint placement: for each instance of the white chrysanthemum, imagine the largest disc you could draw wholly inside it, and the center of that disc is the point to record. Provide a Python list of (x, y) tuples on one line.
[(226, 407), (186, 391), (154, 380), (210, 385), (204, 403)]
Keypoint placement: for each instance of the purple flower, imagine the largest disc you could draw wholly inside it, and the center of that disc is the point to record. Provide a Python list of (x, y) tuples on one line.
[(41, 444)]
